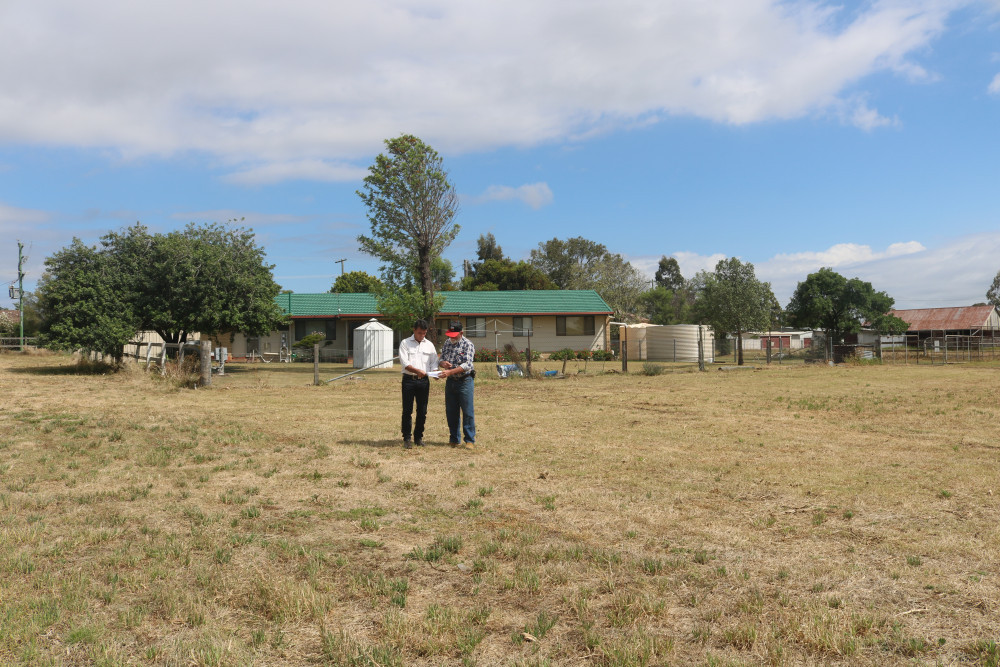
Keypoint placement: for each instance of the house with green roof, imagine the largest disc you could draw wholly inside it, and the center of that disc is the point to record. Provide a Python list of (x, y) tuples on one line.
[(549, 319)]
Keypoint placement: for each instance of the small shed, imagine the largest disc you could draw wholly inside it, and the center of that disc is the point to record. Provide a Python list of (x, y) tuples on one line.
[(373, 346)]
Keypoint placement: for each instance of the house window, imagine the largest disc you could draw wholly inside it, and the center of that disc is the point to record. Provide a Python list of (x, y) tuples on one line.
[(522, 327), (326, 327), (575, 325), (475, 327), (441, 326)]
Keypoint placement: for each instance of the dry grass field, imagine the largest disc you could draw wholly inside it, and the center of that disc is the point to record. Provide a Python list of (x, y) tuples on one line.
[(793, 515)]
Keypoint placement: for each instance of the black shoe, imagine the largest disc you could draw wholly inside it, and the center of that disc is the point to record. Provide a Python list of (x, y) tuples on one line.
[(406, 443), (420, 442)]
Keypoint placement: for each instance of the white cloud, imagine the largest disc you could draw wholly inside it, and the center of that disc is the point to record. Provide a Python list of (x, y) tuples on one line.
[(868, 119), (535, 195), (839, 255), (19, 216), (994, 87), (303, 90), (691, 263), (312, 170), (956, 273)]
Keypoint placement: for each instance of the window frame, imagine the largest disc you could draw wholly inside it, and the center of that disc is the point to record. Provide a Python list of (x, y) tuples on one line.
[(588, 326), (472, 328), (521, 331)]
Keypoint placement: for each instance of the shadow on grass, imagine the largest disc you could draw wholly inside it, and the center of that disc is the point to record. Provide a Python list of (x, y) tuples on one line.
[(394, 442), (72, 369)]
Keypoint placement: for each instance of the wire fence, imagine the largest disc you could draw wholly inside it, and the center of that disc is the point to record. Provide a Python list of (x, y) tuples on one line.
[(17, 343), (941, 349)]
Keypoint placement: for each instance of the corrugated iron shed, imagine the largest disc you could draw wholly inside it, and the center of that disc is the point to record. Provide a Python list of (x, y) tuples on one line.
[(948, 319)]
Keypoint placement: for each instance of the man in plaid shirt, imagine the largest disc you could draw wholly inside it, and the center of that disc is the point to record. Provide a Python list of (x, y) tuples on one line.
[(457, 354)]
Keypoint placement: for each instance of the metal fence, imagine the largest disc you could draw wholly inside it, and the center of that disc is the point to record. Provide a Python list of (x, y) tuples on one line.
[(942, 349), (17, 343)]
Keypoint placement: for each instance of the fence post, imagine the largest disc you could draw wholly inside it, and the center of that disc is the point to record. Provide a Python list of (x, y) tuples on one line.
[(163, 359), (205, 379), (623, 342), (701, 350), (316, 364)]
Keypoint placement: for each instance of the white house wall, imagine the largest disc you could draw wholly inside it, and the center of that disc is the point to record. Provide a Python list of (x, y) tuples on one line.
[(543, 339), (543, 335)]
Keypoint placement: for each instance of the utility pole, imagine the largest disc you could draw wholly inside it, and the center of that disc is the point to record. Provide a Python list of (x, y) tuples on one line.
[(341, 262), (21, 259)]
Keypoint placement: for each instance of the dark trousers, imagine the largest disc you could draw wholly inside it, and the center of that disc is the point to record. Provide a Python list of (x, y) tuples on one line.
[(418, 389)]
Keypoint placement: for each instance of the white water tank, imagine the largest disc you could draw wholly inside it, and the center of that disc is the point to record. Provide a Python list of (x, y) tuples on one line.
[(373, 345)]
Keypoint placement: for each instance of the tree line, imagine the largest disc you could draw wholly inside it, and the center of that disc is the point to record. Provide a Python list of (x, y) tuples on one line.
[(213, 279), (412, 205), (207, 279)]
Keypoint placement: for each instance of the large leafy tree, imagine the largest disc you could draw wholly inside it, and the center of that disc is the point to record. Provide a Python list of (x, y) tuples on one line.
[(570, 264), (668, 274), (86, 301), (671, 299), (579, 263), (827, 300), (487, 248), (494, 271), (620, 284), (993, 293), (411, 207), (732, 300), (664, 306), (505, 274), (209, 279), (356, 282)]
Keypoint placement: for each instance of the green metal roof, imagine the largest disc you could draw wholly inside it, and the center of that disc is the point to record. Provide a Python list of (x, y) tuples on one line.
[(327, 305), (513, 302)]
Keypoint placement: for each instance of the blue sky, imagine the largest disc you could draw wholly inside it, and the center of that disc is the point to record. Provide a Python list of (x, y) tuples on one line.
[(794, 134)]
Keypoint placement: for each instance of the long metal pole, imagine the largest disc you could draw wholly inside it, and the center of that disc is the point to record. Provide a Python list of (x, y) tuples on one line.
[(361, 369), (20, 289)]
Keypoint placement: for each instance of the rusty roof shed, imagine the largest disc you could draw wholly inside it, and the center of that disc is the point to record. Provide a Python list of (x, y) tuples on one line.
[(959, 318)]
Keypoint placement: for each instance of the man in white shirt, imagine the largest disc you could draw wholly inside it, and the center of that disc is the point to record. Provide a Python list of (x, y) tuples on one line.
[(417, 356)]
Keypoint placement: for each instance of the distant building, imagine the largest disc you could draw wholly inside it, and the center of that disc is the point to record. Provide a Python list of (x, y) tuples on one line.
[(551, 319), (957, 321)]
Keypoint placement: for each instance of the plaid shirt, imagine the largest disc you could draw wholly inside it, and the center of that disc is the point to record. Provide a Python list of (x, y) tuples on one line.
[(460, 353)]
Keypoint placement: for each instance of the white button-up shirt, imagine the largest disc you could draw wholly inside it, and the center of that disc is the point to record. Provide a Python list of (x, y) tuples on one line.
[(422, 355)]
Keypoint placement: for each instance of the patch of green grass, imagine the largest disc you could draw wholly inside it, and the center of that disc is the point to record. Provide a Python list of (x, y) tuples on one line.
[(547, 502), (339, 648), (986, 652), (541, 624)]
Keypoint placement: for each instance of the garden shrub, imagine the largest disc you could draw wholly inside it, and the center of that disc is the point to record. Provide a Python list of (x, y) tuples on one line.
[(563, 354), (649, 368)]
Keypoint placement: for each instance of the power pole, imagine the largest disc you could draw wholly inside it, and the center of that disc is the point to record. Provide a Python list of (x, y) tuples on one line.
[(341, 262), (21, 259)]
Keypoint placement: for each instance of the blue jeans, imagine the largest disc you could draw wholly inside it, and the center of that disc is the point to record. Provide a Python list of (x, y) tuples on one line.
[(458, 395)]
